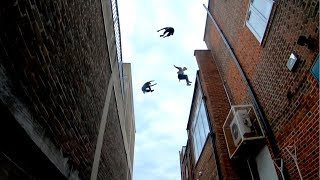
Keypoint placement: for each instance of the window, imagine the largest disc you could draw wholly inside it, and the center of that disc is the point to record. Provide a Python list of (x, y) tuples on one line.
[(315, 68), (200, 127), (258, 16)]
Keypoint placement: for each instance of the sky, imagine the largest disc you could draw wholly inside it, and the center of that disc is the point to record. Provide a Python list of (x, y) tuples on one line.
[(161, 116)]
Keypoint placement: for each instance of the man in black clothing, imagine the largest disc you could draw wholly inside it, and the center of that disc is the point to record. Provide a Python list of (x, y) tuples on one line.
[(147, 87), (168, 32)]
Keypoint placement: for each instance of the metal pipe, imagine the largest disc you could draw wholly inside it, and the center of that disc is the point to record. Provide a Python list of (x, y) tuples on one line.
[(256, 104)]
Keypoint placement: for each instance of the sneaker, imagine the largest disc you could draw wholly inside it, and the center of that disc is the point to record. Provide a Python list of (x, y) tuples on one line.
[(188, 84), (152, 90)]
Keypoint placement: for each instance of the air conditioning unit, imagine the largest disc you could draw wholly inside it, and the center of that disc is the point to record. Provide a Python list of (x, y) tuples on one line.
[(240, 125)]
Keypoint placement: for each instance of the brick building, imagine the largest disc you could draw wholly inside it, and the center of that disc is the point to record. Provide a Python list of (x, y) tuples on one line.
[(262, 53), (65, 95)]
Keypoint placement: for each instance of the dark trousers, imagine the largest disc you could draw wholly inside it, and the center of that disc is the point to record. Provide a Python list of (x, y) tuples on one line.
[(183, 76)]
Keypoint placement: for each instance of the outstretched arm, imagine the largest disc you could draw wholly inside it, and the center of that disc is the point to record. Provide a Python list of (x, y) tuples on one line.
[(162, 29), (176, 67), (150, 81)]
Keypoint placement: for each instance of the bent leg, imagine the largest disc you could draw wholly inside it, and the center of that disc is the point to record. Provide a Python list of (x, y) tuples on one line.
[(166, 33), (183, 76), (187, 79), (149, 89)]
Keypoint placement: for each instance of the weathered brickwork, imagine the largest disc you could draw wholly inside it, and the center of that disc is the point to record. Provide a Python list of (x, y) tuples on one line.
[(227, 69), (230, 16), (289, 99), (55, 54), (187, 162), (206, 163), (218, 107), (119, 167)]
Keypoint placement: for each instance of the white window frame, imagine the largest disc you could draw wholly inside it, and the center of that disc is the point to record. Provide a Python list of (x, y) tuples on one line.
[(253, 31), (197, 126)]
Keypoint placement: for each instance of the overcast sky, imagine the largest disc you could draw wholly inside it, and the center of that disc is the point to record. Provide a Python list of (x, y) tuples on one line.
[(161, 117)]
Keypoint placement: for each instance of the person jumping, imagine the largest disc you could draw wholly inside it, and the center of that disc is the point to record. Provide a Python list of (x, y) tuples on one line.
[(147, 87), (168, 32), (181, 74)]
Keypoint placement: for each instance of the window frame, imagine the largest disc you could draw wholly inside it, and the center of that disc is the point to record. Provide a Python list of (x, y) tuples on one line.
[(268, 20), (315, 65), (199, 138)]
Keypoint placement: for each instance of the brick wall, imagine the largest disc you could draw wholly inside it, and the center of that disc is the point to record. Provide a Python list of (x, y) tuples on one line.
[(55, 55), (228, 70), (113, 142), (218, 108), (187, 162), (206, 163), (290, 100)]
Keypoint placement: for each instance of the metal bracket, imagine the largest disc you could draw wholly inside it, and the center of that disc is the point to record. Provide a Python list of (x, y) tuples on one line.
[(294, 157), (279, 168)]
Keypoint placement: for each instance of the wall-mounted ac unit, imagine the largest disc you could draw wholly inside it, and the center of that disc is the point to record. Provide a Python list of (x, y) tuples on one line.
[(240, 125), (242, 131)]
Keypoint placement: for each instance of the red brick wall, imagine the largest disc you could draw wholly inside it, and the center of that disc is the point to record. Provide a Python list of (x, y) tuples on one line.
[(227, 69), (230, 15), (187, 161), (206, 163), (218, 108), (290, 100)]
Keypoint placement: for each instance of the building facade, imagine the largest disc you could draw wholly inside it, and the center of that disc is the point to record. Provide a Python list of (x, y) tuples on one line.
[(66, 97), (266, 56)]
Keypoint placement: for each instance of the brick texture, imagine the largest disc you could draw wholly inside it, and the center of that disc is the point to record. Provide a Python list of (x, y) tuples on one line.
[(113, 142), (56, 56), (218, 107), (187, 162), (290, 100), (206, 163)]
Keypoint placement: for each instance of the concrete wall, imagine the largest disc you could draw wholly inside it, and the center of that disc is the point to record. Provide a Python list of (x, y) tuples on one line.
[(129, 114)]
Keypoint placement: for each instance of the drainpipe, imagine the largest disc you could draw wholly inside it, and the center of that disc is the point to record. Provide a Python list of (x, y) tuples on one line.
[(256, 104), (211, 133)]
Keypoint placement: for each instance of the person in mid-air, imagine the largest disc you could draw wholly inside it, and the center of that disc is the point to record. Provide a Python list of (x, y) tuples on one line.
[(181, 74), (147, 87), (168, 32)]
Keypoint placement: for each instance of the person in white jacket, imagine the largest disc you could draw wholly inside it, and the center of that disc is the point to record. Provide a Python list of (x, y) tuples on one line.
[(181, 74)]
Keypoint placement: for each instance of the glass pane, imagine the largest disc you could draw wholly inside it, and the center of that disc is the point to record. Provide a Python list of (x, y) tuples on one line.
[(198, 140), (258, 16), (257, 24), (201, 131), (195, 146), (315, 68), (264, 7)]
